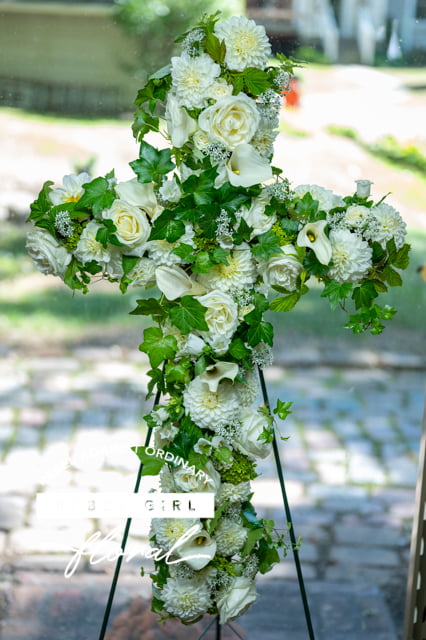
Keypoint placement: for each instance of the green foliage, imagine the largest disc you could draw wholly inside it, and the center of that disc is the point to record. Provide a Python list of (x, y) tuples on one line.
[(153, 164)]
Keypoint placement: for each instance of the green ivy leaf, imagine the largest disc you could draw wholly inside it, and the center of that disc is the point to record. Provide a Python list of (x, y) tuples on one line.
[(268, 556), (364, 294), (188, 315), (392, 277), (238, 350), (166, 227), (256, 81), (149, 307), (151, 464), (268, 245), (97, 195), (220, 256), (201, 187), (152, 164), (261, 332), (203, 263), (128, 263), (282, 410), (42, 205), (178, 371), (185, 253), (253, 536), (402, 258), (336, 292), (158, 347)]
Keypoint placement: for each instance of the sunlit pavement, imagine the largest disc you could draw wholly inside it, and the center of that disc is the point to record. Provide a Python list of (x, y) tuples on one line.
[(350, 465)]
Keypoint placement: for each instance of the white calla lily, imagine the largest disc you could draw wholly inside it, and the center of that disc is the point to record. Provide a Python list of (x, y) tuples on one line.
[(313, 236), (198, 550), (247, 167), (175, 283), (179, 124), (217, 372)]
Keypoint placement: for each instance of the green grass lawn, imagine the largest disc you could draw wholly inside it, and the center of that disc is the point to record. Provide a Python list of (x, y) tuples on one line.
[(37, 309)]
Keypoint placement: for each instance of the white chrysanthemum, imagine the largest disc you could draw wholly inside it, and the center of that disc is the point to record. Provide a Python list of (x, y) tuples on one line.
[(234, 492), (143, 273), (72, 189), (248, 392), (356, 216), (240, 272), (168, 530), (247, 44), (161, 251), (389, 224), (88, 248), (209, 408), (326, 198), (351, 256), (186, 598), (191, 79), (230, 537)]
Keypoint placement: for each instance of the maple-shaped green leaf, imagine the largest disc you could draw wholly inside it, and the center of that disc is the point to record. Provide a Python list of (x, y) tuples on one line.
[(336, 292), (260, 332), (282, 410), (201, 187), (97, 195), (203, 262), (256, 81), (188, 315), (268, 245), (149, 307), (166, 227), (42, 205), (153, 164), (157, 346), (392, 277), (402, 257), (364, 294), (151, 465)]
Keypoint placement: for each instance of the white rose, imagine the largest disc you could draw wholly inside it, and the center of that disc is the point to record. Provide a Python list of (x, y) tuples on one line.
[(219, 89), (246, 439), (133, 228), (208, 480), (232, 121), (282, 269), (235, 599), (48, 255), (221, 317), (256, 218), (201, 140), (179, 124), (138, 194)]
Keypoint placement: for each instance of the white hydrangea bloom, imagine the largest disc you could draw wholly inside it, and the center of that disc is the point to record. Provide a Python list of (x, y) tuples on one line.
[(389, 224), (230, 537), (240, 271), (247, 44), (209, 408), (88, 248), (191, 79), (186, 598), (351, 256)]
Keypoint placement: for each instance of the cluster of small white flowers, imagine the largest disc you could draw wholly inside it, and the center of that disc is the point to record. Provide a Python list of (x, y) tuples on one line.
[(279, 190), (228, 430), (64, 224), (223, 223), (233, 512), (223, 579), (181, 571), (241, 296), (191, 41), (270, 99), (282, 80), (262, 355), (217, 152), (251, 566)]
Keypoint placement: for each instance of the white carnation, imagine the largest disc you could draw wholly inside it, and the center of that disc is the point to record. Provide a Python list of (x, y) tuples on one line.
[(191, 79), (247, 44), (351, 256), (143, 273)]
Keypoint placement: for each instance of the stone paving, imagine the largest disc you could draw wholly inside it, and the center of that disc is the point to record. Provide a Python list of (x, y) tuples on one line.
[(350, 464)]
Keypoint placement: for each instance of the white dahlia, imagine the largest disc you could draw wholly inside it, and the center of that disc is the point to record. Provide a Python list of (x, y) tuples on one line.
[(169, 530), (239, 272), (88, 248), (247, 44), (209, 408), (230, 537), (351, 256), (248, 390), (389, 224), (191, 79), (72, 189), (234, 492), (186, 598)]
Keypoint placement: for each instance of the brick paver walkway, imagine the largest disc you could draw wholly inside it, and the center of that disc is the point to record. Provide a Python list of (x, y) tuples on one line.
[(350, 466)]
